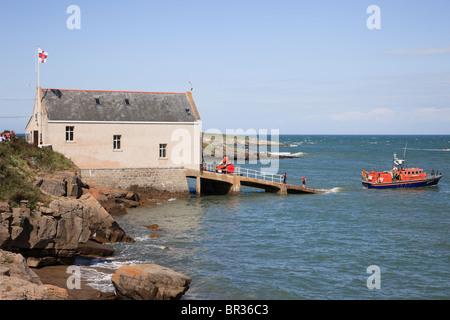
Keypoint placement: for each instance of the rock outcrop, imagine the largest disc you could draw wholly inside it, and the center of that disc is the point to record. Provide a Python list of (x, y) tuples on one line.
[(55, 233), (49, 215), (115, 201), (19, 282), (149, 282), (62, 183), (103, 228)]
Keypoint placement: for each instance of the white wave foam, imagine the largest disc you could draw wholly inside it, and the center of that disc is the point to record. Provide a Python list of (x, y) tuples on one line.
[(97, 280), (159, 247), (141, 239), (148, 239), (102, 287), (334, 190), (112, 264), (288, 154), (299, 154)]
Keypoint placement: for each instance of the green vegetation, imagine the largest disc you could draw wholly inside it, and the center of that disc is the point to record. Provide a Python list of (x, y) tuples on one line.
[(19, 164)]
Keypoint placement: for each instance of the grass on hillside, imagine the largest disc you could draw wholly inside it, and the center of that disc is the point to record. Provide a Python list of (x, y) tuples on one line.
[(20, 161)]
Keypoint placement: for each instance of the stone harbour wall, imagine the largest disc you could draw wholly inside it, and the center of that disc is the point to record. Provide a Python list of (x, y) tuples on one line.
[(171, 180)]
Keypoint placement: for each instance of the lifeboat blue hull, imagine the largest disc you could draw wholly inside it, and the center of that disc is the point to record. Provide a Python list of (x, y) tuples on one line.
[(405, 184)]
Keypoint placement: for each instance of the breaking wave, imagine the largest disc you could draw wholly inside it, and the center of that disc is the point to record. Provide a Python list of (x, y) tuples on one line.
[(98, 272), (288, 154), (334, 190)]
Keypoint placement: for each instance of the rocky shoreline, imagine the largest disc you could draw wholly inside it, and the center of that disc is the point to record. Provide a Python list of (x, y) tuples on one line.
[(39, 243), (57, 275), (131, 282)]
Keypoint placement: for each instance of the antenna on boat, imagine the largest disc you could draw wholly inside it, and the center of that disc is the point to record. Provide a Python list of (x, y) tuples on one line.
[(404, 153)]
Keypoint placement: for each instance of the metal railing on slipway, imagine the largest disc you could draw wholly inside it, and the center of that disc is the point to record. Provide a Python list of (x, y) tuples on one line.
[(249, 173)]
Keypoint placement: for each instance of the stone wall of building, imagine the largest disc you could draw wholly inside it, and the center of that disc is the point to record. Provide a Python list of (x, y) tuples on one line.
[(170, 180)]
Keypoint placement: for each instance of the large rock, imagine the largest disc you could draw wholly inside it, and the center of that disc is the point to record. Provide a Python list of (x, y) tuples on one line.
[(115, 201), (149, 282), (17, 267), (73, 183), (114, 208), (5, 232), (13, 288), (58, 230), (4, 206), (19, 282), (103, 227), (94, 249), (56, 186), (62, 183)]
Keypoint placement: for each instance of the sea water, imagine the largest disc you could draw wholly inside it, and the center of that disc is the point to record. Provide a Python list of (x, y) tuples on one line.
[(316, 246)]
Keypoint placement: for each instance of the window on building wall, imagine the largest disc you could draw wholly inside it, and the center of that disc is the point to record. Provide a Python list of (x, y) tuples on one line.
[(97, 101), (69, 133), (163, 150), (116, 142)]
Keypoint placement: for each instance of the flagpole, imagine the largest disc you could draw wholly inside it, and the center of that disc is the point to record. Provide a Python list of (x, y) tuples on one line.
[(37, 57), (39, 100)]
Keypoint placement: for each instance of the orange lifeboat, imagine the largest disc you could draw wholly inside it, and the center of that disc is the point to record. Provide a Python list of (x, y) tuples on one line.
[(399, 177)]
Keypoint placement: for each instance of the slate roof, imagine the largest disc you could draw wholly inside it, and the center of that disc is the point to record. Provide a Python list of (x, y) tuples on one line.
[(81, 105)]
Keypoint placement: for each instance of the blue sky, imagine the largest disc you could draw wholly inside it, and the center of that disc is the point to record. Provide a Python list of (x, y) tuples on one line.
[(303, 67)]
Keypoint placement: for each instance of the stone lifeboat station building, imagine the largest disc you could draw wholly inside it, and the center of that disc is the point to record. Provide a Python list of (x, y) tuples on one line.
[(121, 139)]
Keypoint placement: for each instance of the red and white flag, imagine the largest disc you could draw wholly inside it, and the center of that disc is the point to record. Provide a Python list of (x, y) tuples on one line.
[(42, 55)]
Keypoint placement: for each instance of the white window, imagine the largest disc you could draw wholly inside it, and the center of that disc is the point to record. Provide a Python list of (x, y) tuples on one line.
[(163, 150), (116, 142), (69, 133)]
